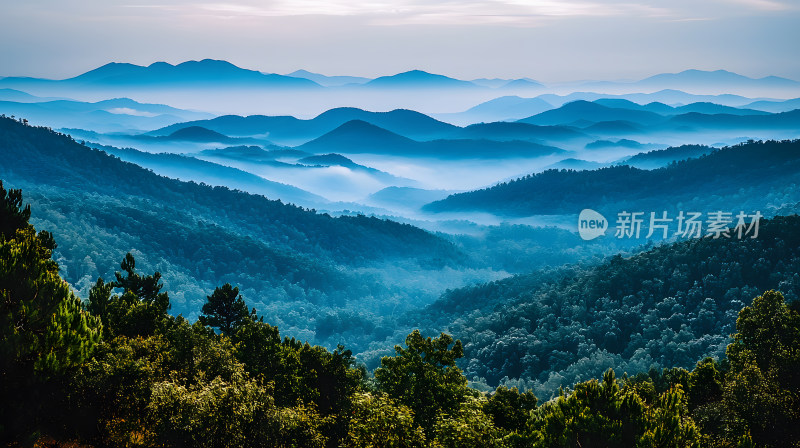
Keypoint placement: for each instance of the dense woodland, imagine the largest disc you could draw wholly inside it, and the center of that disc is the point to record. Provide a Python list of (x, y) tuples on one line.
[(721, 176), (667, 306), (116, 369), (295, 265), (631, 351), (325, 279)]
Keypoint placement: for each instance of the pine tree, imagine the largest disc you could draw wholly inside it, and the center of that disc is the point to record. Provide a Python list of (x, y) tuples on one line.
[(44, 331), (224, 309), (141, 308), (763, 386), (424, 377)]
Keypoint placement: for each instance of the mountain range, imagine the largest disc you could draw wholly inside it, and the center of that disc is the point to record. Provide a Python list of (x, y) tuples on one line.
[(290, 130), (188, 168), (206, 72), (209, 72), (720, 176), (114, 115), (359, 137)]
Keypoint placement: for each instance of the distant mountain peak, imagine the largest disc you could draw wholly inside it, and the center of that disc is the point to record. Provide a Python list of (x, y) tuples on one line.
[(418, 78), (717, 77), (197, 133), (302, 73), (361, 125), (356, 132), (208, 71)]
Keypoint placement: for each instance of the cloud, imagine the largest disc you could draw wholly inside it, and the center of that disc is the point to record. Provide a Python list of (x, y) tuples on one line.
[(764, 5), (471, 11), (436, 12), (545, 39)]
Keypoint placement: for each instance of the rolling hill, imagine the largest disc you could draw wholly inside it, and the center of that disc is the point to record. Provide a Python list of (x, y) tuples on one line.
[(282, 257), (329, 81), (161, 74), (416, 79), (501, 131), (667, 306), (115, 115), (592, 112), (705, 182), (188, 168), (359, 137), (290, 130), (716, 78)]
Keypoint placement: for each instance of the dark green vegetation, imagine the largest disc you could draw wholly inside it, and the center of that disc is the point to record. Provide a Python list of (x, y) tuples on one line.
[(659, 158), (301, 269), (328, 280), (118, 370), (719, 178), (668, 306)]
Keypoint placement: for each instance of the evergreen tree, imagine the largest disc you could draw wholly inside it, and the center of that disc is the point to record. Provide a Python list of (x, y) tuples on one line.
[(601, 414), (424, 377), (146, 289), (224, 309), (509, 408), (140, 309), (44, 331), (763, 388)]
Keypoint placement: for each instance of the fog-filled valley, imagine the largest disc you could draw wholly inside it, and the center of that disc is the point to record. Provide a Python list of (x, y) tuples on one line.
[(402, 164), (350, 211)]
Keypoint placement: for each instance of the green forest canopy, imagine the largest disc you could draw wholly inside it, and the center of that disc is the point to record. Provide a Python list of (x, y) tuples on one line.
[(117, 369)]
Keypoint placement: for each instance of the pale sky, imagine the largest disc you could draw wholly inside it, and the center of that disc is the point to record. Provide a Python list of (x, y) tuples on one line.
[(548, 40)]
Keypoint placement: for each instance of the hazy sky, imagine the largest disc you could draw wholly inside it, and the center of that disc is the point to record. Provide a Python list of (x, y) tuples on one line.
[(547, 40)]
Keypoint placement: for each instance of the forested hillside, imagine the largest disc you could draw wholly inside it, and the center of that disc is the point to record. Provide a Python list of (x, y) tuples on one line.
[(295, 265), (667, 306), (729, 177), (115, 369)]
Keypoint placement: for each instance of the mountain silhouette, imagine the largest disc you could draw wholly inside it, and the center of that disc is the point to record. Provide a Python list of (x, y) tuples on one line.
[(290, 130), (775, 106), (783, 120), (357, 137), (592, 112), (522, 84), (499, 109), (720, 173), (419, 79), (329, 81), (115, 115), (704, 107), (189, 168), (329, 160), (715, 78), (502, 130), (197, 134), (189, 73), (622, 143)]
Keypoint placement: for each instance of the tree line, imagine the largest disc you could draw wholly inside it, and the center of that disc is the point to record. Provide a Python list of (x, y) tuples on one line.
[(117, 369)]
